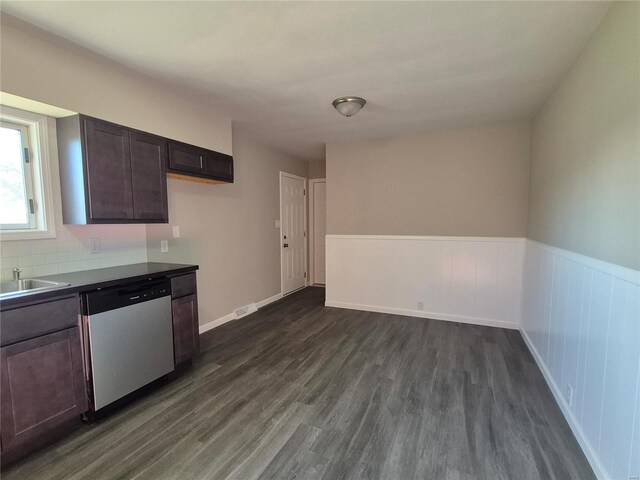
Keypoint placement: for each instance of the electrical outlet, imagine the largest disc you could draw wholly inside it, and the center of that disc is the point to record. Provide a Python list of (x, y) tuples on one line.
[(164, 246), (420, 305), (176, 231), (568, 394), (95, 245)]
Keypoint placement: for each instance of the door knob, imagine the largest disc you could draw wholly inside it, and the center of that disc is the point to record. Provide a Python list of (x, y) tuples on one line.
[(285, 245)]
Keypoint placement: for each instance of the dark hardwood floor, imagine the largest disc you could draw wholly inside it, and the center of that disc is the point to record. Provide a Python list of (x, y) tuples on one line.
[(298, 390)]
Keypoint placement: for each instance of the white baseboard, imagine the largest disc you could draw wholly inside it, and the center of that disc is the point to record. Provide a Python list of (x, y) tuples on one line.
[(588, 450), (269, 300), (216, 323), (419, 313), (231, 316)]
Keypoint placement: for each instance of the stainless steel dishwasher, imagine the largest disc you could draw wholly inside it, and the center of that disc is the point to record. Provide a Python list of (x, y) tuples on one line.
[(127, 338)]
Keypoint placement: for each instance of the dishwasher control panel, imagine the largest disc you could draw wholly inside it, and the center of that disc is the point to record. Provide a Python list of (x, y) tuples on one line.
[(119, 296)]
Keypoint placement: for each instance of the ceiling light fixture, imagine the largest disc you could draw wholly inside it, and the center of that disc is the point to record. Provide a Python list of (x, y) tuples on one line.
[(349, 106)]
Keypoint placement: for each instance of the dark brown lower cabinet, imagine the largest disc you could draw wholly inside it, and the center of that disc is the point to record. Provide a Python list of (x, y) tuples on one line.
[(186, 337), (43, 390)]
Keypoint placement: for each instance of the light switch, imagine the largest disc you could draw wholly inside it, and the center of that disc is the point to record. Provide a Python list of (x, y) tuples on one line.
[(176, 231), (164, 246), (277, 223)]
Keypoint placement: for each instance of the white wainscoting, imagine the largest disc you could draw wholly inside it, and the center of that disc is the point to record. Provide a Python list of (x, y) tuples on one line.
[(581, 320), (463, 279)]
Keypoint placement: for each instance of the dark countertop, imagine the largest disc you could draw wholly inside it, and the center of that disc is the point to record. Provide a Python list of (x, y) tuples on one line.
[(86, 280)]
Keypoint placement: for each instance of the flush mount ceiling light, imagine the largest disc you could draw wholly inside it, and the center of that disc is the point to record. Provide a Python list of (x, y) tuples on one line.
[(349, 106)]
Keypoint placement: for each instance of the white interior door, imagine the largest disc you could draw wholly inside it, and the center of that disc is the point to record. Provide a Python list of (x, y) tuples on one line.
[(293, 232), (319, 215)]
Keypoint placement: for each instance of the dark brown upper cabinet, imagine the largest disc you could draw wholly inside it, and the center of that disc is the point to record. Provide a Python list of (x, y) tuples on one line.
[(110, 173), (148, 174), (189, 161), (186, 158), (219, 166), (108, 170)]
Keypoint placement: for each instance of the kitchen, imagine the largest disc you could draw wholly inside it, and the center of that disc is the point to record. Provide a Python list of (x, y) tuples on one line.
[(139, 322)]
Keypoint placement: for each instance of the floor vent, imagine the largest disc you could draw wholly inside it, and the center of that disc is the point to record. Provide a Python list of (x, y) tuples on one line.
[(246, 310)]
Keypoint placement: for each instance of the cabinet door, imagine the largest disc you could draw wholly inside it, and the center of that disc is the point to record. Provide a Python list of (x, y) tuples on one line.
[(219, 165), (42, 387), (186, 158), (186, 337), (108, 164), (148, 177)]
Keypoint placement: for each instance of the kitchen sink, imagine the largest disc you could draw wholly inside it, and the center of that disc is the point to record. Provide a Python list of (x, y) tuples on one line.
[(27, 285)]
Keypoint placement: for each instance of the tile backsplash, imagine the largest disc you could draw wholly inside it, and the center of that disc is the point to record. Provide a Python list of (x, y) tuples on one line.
[(71, 250)]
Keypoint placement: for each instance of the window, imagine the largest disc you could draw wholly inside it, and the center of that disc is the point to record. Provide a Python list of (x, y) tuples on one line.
[(16, 180), (25, 193)]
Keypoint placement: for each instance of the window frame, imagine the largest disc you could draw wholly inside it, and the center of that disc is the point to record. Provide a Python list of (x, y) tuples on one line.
[(27, 175), (37, 174)]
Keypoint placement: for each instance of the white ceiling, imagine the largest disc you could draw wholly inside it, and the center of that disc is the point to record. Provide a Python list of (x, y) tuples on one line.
[(275, 67)]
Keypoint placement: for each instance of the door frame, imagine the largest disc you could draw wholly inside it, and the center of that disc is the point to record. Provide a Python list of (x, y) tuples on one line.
[(312, 186), (306, 229)]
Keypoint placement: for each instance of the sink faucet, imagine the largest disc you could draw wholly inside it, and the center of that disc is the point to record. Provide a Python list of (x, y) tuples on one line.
[(16, 273)]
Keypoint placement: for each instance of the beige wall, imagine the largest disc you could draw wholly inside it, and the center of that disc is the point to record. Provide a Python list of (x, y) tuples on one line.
[(42, 67), (585, 163), (317, 168), (36, 66), (229, 230), (466, 182)]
